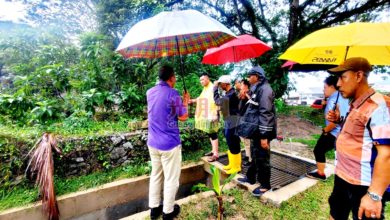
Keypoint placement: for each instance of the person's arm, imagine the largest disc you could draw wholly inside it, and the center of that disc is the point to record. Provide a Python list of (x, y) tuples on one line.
[(329, 127), (380, 182), (219, 100), (184, 105)]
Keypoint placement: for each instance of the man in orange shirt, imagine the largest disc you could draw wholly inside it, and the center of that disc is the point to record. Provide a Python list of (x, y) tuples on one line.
[(363, 146)]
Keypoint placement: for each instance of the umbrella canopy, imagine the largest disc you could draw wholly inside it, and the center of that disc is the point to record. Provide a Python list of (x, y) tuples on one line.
[(173, 33), (294, 66), (334, 45), (242, 48)]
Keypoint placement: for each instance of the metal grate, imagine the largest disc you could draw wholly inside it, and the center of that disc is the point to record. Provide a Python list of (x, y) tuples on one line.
[(284, 169)]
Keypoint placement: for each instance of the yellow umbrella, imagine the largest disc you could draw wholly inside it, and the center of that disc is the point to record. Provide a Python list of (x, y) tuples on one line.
[(334, 45)]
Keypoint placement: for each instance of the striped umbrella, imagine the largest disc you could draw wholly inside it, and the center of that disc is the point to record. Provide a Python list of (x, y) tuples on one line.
[(173, 33)]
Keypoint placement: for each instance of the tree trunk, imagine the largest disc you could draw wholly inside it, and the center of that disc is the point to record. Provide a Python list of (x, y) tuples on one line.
[(292, 28)]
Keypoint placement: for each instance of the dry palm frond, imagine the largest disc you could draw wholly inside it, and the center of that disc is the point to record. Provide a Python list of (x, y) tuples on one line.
[(42, 164)]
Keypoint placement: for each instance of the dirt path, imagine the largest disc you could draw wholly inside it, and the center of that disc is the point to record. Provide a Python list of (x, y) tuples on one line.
[(294, 128)]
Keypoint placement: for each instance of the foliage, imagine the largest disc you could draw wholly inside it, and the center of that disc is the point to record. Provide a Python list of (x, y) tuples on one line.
[(14, 107), (117, 16), (80, 16), (10, 161)]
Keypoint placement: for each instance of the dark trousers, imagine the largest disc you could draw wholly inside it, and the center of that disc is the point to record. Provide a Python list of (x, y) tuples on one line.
[(325, 143), (232, 140), (346, 197), (260, 169)]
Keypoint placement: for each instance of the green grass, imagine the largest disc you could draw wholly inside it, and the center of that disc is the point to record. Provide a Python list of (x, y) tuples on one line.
[(311, 204)]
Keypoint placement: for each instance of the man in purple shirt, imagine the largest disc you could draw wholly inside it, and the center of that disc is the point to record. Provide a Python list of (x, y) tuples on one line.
[(165, 108)]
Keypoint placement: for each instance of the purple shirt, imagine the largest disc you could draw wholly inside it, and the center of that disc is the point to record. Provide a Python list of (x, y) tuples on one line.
[(164, 107)]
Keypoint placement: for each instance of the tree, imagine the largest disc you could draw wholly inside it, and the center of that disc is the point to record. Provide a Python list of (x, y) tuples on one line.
[(279, 23), (68, 18), (117, 16)]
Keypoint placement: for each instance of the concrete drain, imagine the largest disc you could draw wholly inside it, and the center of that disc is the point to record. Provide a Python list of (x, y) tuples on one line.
[(284, 169)]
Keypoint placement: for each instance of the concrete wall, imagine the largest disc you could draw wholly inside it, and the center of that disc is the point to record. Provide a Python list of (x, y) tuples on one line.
[(110, 201)]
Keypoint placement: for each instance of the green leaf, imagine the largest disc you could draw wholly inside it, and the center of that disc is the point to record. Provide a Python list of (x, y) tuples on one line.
[(216, 179)]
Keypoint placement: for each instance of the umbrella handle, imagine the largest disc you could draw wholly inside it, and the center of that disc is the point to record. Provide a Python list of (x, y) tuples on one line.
[(337, 99)]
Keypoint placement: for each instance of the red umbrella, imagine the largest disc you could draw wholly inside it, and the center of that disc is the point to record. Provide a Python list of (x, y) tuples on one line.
[(242, 48)]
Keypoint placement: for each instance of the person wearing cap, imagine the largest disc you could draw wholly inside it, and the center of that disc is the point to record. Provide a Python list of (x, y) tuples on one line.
[(259, 124), (363, 146), (206, 115), (229, 108), (327, 140)]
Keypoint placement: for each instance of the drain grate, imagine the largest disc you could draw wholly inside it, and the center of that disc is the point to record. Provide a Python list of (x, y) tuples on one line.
[(284, 169)]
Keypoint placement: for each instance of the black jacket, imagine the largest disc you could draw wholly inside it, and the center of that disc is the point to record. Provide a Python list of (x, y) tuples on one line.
[(229, 105), (259, 119)]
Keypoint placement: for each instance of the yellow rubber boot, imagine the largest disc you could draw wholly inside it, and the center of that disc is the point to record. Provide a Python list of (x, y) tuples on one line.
[(230, 163), (236, 160)]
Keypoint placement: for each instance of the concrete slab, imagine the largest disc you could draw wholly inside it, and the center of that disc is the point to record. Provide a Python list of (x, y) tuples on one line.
[(276, 197), (186, 200)]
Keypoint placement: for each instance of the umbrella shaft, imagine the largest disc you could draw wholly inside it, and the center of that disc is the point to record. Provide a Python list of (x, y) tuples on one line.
[(181, 64)]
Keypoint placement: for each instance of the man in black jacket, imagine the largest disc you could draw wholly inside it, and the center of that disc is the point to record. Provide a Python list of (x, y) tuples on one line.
[(259, 124)]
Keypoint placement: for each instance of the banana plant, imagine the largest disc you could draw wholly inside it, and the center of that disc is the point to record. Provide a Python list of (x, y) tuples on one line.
[(217, 188)]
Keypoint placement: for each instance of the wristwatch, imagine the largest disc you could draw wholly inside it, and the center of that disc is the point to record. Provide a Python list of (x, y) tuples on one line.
[(375, 197)]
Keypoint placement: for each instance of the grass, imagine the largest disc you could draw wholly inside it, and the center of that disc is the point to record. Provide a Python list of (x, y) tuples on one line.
[(311, 204)]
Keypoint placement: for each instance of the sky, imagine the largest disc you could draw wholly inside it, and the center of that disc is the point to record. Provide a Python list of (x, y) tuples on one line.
[(15, 11), (11, 11)]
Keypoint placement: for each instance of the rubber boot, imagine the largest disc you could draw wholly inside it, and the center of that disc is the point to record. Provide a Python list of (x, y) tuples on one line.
[(236, 166), (230, 163)]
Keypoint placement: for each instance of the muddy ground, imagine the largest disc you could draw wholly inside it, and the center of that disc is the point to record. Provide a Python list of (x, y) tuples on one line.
[(295, 128)]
